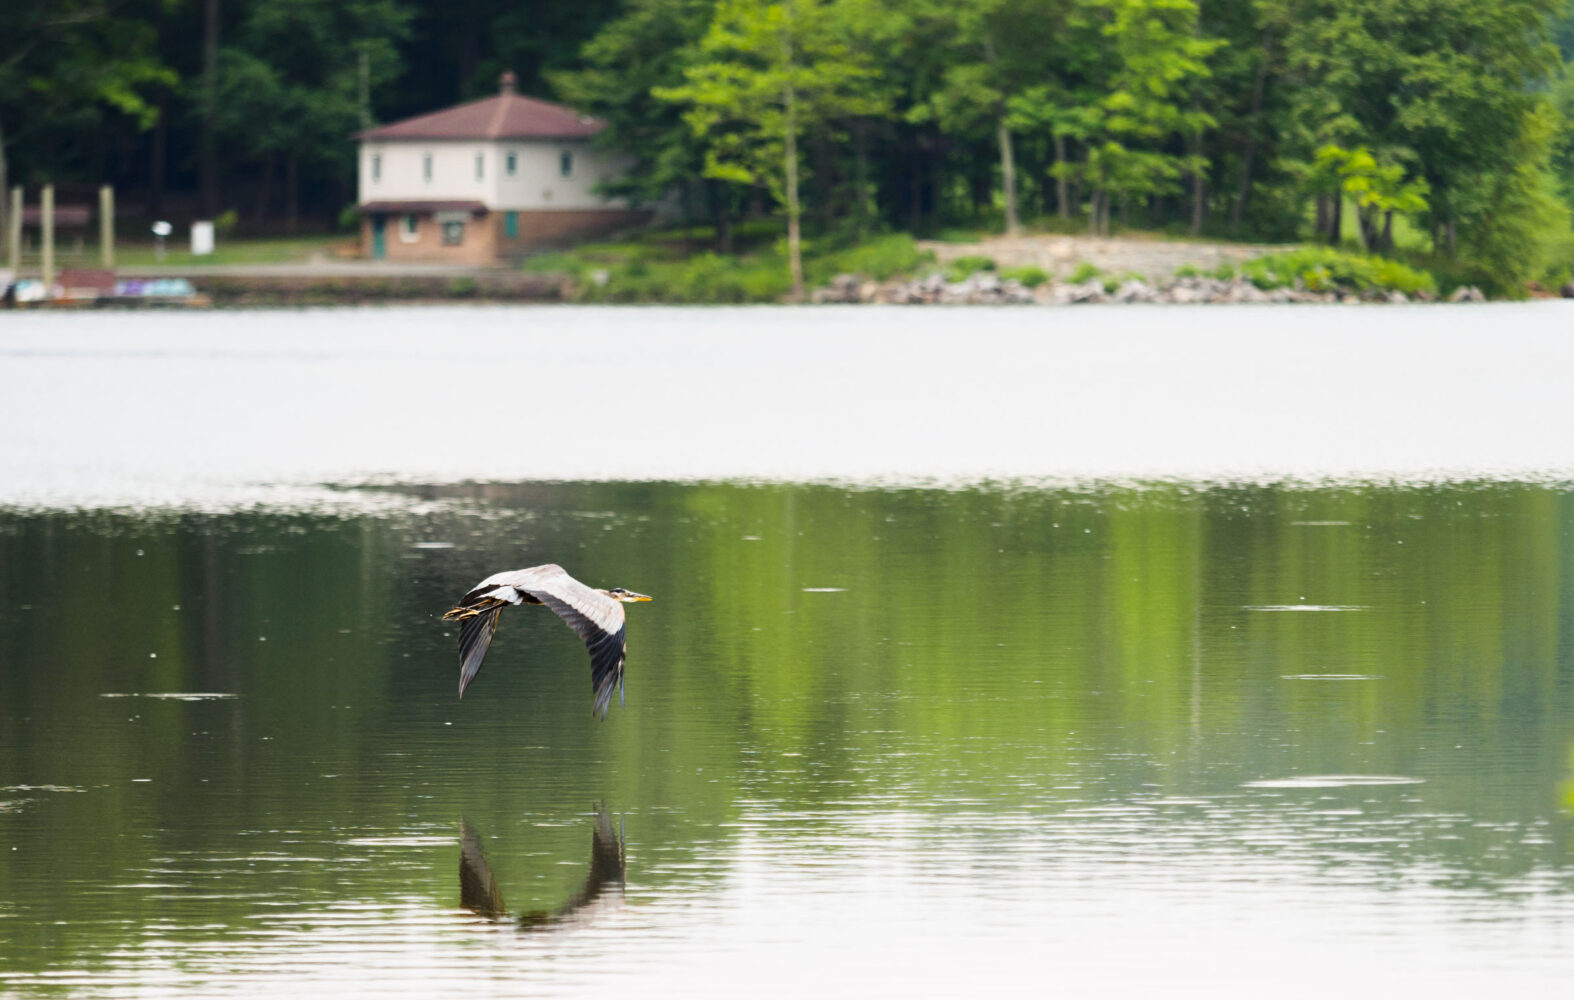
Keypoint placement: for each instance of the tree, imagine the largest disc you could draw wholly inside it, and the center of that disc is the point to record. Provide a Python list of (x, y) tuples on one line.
[(1157, 58), (290, 87), (769, 72), (622, 67), (1378, 190), (1436, 87), (68, 65)]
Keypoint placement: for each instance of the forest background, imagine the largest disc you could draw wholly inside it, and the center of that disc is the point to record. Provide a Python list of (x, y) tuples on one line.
[(1439, 132)]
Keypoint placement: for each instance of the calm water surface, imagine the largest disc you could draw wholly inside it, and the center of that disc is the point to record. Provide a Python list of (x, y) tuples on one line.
[(1230, 741)]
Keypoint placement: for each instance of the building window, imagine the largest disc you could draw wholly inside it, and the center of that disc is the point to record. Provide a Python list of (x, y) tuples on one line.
[(377, 167), (453, 233), (565, 163), (511, 225), (409, 230), (426, 166), (512, 163), (480, 166)]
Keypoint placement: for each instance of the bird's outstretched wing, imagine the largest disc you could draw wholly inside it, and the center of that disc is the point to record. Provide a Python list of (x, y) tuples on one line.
[(597, 619)]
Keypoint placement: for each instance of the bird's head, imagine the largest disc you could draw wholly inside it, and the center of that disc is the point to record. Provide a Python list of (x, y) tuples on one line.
[(626, 596)]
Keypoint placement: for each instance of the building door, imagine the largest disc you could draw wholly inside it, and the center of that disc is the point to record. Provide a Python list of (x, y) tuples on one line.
[(379, 237)]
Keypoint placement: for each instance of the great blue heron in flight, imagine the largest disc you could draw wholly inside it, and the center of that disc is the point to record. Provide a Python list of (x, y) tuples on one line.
[(597, 615)]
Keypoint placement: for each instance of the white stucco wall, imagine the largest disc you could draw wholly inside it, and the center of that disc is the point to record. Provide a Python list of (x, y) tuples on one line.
[(538, 181)]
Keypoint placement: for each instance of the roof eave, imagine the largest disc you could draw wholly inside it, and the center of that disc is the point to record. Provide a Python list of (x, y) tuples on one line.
[(372, 136)]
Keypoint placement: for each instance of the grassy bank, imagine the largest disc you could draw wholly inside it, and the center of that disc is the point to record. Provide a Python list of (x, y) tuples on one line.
[(268, 250), (674, 266)]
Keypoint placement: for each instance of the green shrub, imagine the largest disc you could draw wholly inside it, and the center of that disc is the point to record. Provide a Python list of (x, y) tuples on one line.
[(1325, 268), (1224, 272), (1030, 277), (552, 263), (706, 278), (965, 267), (1188, 271), (1084, 272), (880, 258)]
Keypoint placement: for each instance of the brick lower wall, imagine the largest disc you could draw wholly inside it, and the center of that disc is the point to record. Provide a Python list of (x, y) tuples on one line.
[(559, 228), (485, 241), (479, 246)]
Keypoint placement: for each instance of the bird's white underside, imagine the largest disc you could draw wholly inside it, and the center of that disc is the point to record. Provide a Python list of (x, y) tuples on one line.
[(511, 585)]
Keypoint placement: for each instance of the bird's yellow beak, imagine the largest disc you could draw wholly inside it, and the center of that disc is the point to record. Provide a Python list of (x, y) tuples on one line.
[(636, 598)]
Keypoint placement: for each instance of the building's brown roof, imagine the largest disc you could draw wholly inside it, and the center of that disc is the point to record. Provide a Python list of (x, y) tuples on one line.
[(418, 207), (505, 116)]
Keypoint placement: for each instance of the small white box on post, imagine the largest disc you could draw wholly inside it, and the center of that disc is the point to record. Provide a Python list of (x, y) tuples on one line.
[(201, 239)]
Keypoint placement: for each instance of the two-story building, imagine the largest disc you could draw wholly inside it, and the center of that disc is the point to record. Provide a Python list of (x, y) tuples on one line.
[(473, 182)]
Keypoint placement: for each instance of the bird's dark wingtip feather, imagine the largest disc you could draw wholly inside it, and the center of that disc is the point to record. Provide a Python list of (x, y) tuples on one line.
[(475, 636)]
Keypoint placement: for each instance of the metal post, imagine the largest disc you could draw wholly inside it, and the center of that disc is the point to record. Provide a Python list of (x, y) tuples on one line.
[(46, 222), (13, 235), (106, 225)]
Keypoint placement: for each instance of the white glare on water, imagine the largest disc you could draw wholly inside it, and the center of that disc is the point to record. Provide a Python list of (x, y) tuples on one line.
[(168, 408)]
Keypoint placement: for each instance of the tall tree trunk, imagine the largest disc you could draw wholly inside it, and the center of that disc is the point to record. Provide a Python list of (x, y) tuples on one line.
[(1385, 243), (721, 212), (209, 167), (292, 192), (1249, 153), (1008, 167), (1197, 188), (1366, 229), (1094, 211), (864, 214), (1008, 175), (264, 189), (1062, 202), (1336, 219), (794, 240)]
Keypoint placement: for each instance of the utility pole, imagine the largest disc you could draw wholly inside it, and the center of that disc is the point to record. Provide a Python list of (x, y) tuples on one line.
[(106, 226)]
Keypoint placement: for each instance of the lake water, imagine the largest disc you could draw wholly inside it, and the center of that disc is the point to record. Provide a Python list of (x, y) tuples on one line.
[(948, 703)]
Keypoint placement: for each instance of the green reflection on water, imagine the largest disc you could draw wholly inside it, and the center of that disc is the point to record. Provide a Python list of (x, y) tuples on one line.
[(815, 659)]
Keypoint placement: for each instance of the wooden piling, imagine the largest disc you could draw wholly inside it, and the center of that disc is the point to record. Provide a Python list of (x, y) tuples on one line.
[(106, 226), (46, 222)]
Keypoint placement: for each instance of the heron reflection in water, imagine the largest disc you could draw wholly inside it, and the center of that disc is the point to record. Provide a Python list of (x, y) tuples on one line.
[(597, 615), (603, 885)]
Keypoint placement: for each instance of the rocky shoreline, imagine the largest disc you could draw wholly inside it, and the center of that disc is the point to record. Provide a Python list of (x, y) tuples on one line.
[(988, 288)]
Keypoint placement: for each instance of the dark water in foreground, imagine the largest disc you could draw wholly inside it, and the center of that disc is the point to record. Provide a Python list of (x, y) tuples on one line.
[(1239, 741)]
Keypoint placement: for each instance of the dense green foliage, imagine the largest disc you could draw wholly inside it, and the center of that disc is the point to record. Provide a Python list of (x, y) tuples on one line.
[(1415, 128), (661, 267), (1324, 268)]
